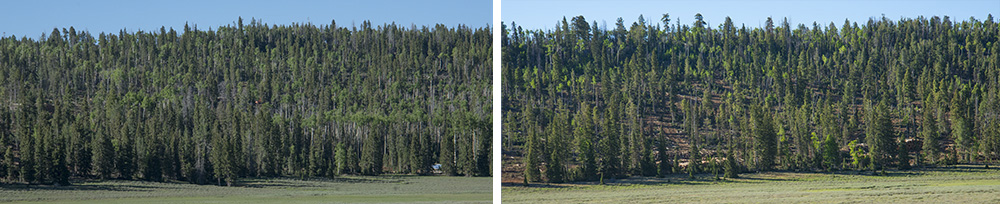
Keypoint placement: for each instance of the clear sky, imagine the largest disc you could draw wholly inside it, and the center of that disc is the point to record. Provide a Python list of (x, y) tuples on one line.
[(31, 18), (533, 14)]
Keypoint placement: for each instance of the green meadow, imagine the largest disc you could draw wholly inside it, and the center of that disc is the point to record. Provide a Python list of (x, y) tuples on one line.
[(348, 189), (957, 184)]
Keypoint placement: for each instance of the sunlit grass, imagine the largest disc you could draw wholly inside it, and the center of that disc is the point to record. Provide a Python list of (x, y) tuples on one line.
[(350, 189), (964, 184)]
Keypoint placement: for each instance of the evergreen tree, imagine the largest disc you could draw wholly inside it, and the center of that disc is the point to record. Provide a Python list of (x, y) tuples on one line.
[(930, 136), (765, 138), (584, 134), (879, 135), (831, 153), (340, 159), (610, 162), (371, 155), (665, 166), (555, 169)]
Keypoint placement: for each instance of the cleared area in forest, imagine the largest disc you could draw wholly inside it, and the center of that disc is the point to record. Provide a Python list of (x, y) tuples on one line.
[(952, 184), (346, 189)]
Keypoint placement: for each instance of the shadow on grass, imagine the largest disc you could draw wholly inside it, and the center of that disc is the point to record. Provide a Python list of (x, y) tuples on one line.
[(678, 179), (763, 177), (960, 168), (307, 182), (86, 187), (544, 185)]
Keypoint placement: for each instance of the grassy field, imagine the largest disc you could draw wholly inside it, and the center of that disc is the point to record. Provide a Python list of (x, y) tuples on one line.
[(960, 184), (348, 189)]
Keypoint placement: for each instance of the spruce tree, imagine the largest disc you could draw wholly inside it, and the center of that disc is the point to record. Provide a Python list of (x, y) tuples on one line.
[(371, 155), (831, 153), (929, 134), (765, 138), (584, 134), (610, 160), (664, 166), (556, 144)]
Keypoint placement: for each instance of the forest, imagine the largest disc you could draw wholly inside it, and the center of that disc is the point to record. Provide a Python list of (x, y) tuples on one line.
[(245, 101), (584, 102)]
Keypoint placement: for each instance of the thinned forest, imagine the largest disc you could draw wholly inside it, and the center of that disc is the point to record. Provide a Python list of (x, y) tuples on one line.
[(254, 100), (585, 102)]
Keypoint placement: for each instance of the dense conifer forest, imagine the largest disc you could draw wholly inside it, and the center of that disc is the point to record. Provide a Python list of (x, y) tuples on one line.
[(255, 100), (585, 102)]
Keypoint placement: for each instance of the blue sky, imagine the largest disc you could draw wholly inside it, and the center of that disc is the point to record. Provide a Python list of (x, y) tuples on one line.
[(531, 14), (31, 18)]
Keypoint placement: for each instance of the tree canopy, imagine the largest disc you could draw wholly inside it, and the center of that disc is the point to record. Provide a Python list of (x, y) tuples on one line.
[(245, 100), (859, 95)]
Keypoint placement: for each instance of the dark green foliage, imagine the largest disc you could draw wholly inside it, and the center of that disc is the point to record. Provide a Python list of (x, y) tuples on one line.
[(903, 158), (731, 168), (247, 100), (610, 151), (341, 159), (371, 155), (776, 97), (929, 134), (879, 135), (665, 165), (831, 153), (585, 134), (765, 138), (555, 167)]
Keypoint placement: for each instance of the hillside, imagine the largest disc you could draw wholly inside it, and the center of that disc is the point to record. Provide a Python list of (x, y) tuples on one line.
[(582, 103)]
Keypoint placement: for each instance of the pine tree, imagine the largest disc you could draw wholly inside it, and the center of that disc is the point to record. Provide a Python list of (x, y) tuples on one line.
[(731, 168), (765, 138), (930, 136), (555, 169), (831, 153), (904, 153), (610, 159), (447, 157), (584, 133), (371, 155), (879, 135), (103, 154), (340, 158), (665, 165), (531, 159)]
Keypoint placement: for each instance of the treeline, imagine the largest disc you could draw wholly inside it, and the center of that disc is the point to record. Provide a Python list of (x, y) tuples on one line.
[(242, 101), (583, 102)]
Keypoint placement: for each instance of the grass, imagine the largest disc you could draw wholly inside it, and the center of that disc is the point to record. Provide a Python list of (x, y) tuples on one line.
[(348, 189), (960, 184)]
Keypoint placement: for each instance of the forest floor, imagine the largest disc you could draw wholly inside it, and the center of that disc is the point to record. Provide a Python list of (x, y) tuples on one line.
[(346, 189), (951, 184)]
